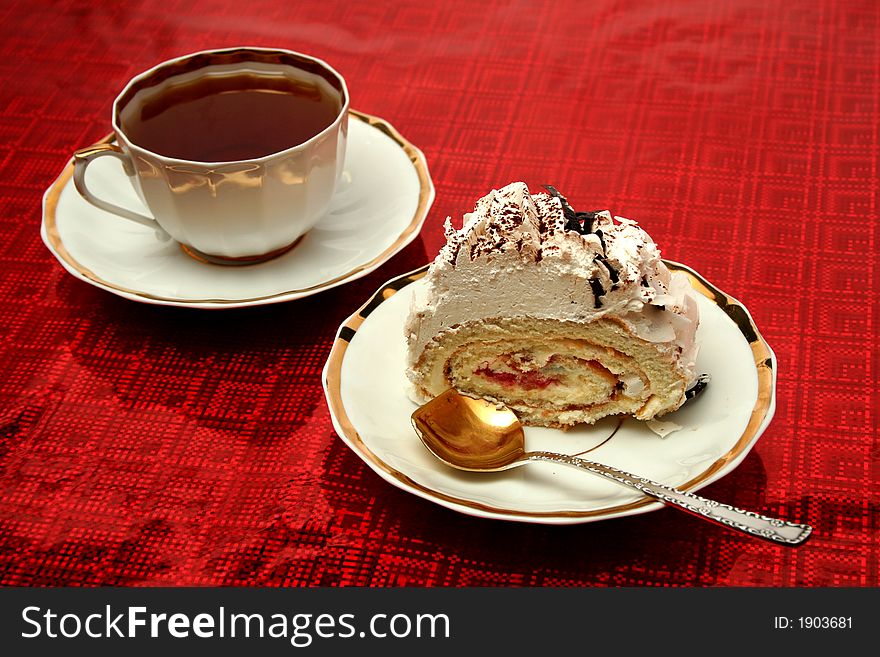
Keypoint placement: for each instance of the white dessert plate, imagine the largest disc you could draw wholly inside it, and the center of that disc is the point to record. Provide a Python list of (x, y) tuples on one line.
[(379, 208), (365, 385)]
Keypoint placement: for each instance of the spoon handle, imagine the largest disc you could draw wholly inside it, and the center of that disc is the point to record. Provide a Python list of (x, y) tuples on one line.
[(773, 529)]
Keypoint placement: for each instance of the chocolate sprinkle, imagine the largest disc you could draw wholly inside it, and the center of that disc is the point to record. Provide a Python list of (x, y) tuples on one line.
[(698, 387)]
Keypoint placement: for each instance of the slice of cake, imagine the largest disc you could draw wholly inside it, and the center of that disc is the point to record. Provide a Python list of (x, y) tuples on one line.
[(564, 316)]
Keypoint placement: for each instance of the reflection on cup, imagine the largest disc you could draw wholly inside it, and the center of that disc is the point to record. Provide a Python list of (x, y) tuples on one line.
[(235, 152)]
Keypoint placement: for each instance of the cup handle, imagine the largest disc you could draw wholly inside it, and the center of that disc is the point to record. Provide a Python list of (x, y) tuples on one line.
[(81, 160)]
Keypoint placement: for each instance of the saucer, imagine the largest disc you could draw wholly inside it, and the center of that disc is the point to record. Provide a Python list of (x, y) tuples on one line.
[(379, 207), (365, 386)]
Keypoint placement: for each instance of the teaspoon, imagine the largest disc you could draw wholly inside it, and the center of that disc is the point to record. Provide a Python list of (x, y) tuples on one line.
[(481, 436)]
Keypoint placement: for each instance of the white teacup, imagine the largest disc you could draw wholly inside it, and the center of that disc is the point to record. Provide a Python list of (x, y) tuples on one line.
[(254, 204)]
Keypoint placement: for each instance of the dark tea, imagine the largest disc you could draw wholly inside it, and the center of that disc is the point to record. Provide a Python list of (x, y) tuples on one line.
[(230, 117)]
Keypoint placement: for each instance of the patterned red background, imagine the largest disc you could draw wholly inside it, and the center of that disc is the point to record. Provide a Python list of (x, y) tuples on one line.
[(150, 445)]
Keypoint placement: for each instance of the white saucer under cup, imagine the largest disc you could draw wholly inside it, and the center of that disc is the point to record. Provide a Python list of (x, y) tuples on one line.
[(379, 207)]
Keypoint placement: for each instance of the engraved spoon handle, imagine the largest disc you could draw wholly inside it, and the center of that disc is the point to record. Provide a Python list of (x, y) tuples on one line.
[(773, 529)]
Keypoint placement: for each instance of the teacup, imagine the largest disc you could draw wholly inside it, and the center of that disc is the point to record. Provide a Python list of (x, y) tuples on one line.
[(236, 153)]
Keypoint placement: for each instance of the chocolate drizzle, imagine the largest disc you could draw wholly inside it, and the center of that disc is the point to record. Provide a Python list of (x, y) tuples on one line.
[(698, 387), (584, 223), (612, 272), (598, 291), (579, 222)]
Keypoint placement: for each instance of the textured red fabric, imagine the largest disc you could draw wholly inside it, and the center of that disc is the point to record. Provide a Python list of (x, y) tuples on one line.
[(142, 445)]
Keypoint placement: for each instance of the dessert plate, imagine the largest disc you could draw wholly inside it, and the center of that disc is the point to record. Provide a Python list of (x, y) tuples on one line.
[(379, 208), (366, 389)]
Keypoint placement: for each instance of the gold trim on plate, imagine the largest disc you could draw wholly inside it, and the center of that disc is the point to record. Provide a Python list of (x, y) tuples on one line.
[(425, 192), (763, 359)]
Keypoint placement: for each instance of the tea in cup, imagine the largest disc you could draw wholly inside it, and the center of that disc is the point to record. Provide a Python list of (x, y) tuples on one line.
[(235, 152)]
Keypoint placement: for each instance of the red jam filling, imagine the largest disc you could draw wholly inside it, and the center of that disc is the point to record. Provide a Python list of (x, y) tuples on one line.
[(531, 380)]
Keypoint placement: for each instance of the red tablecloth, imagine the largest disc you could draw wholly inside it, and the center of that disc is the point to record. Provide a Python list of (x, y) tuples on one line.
[(149, 445)]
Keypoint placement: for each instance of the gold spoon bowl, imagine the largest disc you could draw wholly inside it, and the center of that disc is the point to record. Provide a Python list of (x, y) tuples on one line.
[(481, 436)]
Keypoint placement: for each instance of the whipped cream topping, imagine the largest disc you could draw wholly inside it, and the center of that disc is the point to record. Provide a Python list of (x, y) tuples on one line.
[(516, 255)]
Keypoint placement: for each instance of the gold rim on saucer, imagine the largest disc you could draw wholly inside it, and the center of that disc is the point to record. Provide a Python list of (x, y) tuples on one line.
[(763, 359), (415, 156)]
